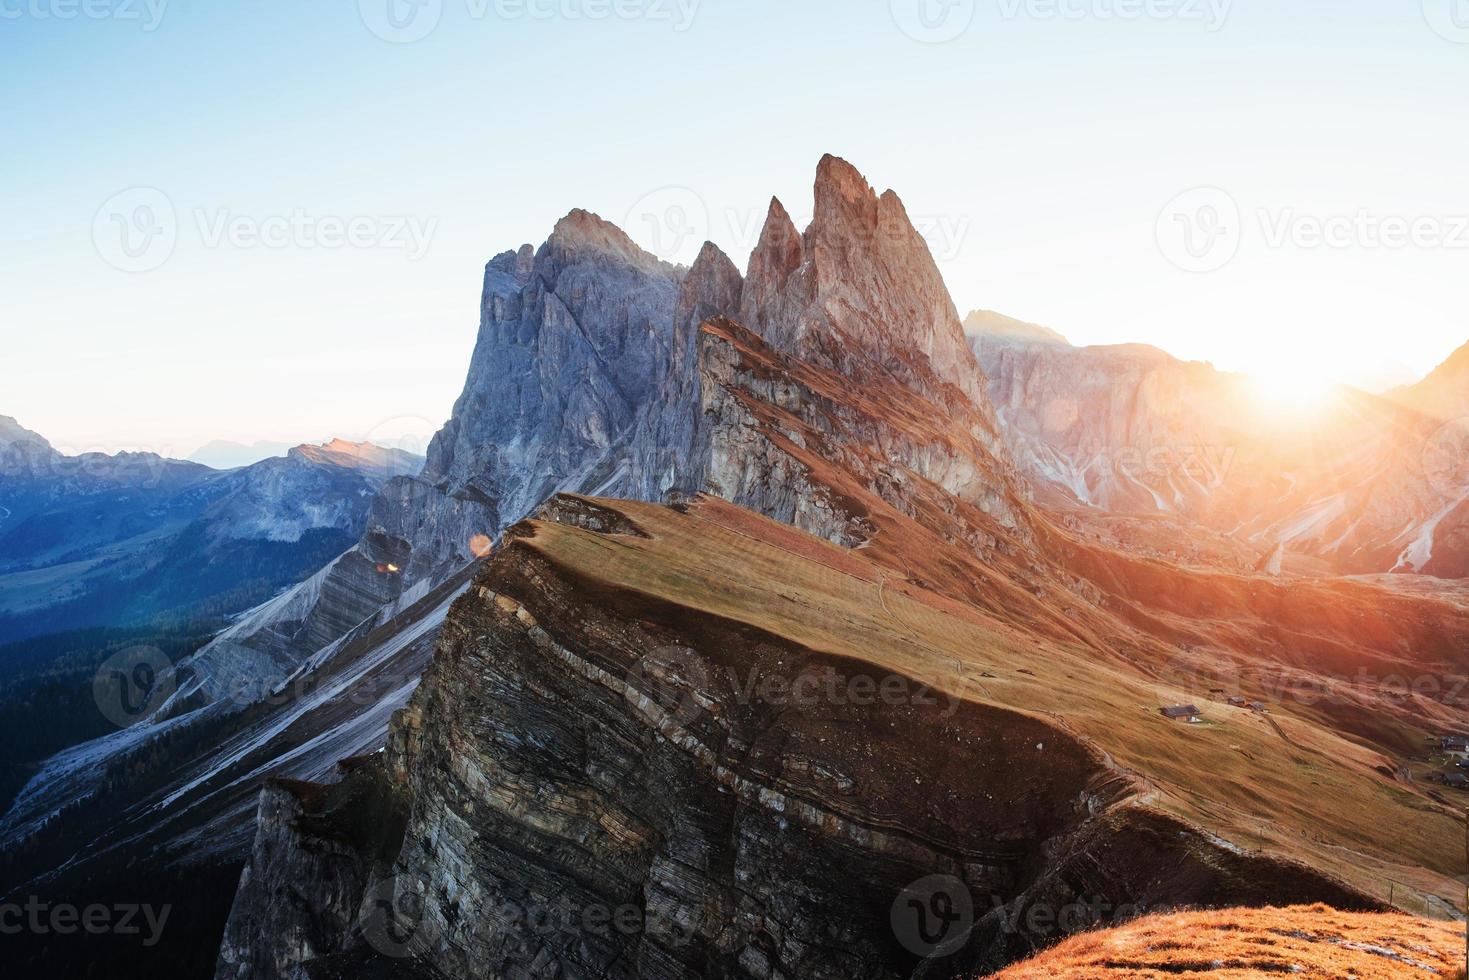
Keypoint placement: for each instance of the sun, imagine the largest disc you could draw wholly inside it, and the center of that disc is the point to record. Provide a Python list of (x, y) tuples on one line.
[(1291, 390)]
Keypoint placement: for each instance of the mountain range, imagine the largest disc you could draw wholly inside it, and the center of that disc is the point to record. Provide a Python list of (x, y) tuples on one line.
[(561, 669), (119, 540)]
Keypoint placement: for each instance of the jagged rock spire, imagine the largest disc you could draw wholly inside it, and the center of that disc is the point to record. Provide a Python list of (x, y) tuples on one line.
[(862, 281)]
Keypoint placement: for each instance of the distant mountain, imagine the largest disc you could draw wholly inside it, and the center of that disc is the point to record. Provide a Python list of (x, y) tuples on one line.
[(1444, 394), (222, 454), (981, 325), (121, 539), (1364, 485)]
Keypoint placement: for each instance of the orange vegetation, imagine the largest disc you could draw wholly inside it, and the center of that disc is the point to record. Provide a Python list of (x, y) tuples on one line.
[(1314, 941)]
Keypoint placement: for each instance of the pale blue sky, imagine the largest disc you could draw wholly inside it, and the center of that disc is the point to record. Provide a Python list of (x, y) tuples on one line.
[(1039, 149)]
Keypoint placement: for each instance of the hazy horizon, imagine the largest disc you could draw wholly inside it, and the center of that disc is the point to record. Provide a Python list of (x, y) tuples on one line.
[(186, 260)]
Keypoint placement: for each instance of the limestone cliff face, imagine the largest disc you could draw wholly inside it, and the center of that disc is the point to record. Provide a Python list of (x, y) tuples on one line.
[(602, 759), (804, 445), (23, 452), (669, 448), (572, 345)]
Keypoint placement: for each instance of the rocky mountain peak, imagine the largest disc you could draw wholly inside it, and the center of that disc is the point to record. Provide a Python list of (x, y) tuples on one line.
[(516, 263), (841, 192), (860, 283), (365, 456), (712, 287), (582, 232), (776, 256)]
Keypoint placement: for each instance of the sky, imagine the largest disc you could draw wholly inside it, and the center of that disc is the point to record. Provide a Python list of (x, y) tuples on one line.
[(269, 220)]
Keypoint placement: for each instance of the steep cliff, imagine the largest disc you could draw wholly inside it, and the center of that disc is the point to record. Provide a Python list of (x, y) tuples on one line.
[(696, 743)]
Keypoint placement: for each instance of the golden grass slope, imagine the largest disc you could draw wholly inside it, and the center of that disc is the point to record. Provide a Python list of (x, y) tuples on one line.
[(1314, 942)]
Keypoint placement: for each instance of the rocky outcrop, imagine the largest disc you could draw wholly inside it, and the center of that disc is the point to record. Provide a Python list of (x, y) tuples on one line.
[(804, 445), (574, 342), (317, 850), (1127, 428), (859, 285)]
